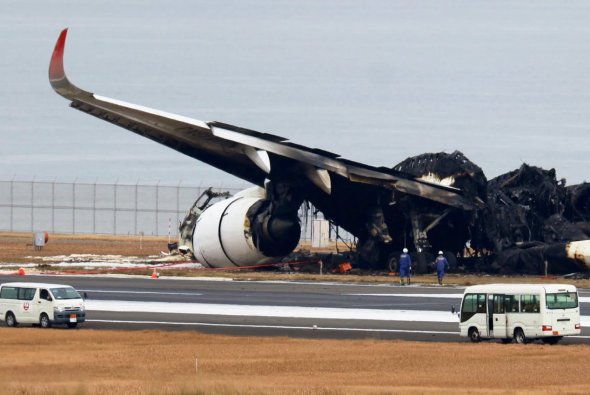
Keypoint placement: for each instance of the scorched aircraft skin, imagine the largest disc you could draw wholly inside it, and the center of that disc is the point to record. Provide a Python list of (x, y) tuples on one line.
[(385, 208)]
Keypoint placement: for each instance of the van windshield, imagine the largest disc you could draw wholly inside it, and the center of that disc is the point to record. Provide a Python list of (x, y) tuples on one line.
[(562, 300), (65, 293)]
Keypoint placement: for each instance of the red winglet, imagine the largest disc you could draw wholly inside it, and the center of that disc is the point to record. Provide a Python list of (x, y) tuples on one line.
[(56, 67)]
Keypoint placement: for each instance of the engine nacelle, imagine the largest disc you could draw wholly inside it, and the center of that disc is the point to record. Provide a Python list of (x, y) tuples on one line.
[(225, 237)]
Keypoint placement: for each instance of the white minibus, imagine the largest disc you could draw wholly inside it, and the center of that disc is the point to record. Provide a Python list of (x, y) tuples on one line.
[(521, 312), (40, 304)]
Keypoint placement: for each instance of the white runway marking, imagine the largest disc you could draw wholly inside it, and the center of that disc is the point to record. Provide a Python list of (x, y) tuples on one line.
[(279, 311), (311, 328), (436, 296), (271, 311), (582, 299), (140, 292)]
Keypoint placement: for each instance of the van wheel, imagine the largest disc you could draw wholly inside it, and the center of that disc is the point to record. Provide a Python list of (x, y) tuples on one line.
[(551, 340), (474, 335), (519, 336), (72, 325), (10, 320), (44, 321)]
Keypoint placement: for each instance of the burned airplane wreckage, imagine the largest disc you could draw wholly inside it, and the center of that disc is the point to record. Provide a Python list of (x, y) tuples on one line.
[(529, 221), (525, 221)]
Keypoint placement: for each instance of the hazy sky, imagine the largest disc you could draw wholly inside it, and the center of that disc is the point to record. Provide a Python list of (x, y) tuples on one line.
[(505, 82)]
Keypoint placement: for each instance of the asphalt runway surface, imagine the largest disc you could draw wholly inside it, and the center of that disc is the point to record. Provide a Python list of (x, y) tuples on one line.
[(274, 308)]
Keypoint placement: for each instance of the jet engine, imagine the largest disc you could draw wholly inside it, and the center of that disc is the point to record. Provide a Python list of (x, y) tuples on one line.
[(244, 230)]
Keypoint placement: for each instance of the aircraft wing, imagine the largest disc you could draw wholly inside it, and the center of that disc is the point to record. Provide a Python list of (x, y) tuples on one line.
[(247, 154)]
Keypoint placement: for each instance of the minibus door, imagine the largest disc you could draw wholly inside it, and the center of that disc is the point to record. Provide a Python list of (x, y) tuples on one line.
[(496, 316)]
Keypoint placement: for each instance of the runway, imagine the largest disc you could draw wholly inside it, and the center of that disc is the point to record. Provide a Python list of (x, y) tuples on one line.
[(258, 308)]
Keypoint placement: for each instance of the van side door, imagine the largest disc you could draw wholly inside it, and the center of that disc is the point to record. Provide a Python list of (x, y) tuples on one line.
[(44, 304)]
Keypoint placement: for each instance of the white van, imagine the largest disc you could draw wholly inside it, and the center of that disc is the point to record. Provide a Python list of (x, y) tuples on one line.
[(41, 304), (520, 312)]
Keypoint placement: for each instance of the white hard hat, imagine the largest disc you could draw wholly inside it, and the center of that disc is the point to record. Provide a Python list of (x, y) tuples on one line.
[(440, 253), (405, 250)]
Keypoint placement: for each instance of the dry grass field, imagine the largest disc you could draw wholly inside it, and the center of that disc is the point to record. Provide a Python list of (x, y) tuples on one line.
[(59, 361), (36, 361)]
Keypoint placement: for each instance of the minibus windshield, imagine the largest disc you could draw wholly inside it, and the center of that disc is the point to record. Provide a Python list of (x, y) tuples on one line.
[(562, 300), (65, 293)]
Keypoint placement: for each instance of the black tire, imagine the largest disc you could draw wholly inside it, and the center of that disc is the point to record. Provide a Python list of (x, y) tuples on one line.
[(10, 320), (44, 321), (393, 262), (519, 336), (551, 340), (474, 335), (72, 325), (419, 263)]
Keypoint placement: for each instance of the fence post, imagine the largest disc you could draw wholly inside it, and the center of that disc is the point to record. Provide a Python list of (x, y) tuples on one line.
[(53, 206), (135, 210), (115, 208), (33, 204), (11, 204), (94, 207), (178, 214), (157, 205), (74, 206)]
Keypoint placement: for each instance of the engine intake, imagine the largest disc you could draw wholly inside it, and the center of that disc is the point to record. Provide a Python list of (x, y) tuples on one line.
[(243, 231)]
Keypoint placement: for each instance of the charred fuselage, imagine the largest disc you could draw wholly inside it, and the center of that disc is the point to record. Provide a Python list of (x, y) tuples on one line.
[(525, 225)]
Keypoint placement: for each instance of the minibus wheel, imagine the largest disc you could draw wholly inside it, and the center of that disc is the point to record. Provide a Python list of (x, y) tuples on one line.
[(519, 336), (44, 321), (474, 335), (10, 319)]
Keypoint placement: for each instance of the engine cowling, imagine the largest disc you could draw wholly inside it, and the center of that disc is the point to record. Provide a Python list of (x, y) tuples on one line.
[(224, 235)]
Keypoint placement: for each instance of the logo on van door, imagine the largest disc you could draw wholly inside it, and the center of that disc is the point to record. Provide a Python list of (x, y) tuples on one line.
[(26, 306)]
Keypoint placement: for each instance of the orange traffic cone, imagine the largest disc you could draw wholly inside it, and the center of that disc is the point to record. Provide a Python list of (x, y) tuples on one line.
[(21, 272), (155, 274)]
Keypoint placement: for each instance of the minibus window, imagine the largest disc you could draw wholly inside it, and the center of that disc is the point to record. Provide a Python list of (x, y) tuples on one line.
[(498, 304), (8, 293), (472, 304), (562, 300), (65, 293), (511, 304), (529, 303)]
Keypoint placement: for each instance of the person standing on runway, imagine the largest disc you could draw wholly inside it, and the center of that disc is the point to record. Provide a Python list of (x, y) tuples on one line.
[(405, 267), (441, 264)]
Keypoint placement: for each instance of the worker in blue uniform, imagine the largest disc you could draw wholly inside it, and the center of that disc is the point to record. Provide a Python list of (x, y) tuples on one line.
[(441, 264), (405, 266)]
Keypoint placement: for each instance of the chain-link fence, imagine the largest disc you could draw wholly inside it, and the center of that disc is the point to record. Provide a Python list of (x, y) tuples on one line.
[(97, 208), (79, 207)]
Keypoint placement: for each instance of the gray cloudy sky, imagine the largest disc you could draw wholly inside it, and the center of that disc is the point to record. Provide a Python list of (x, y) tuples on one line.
[(505, 82)]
